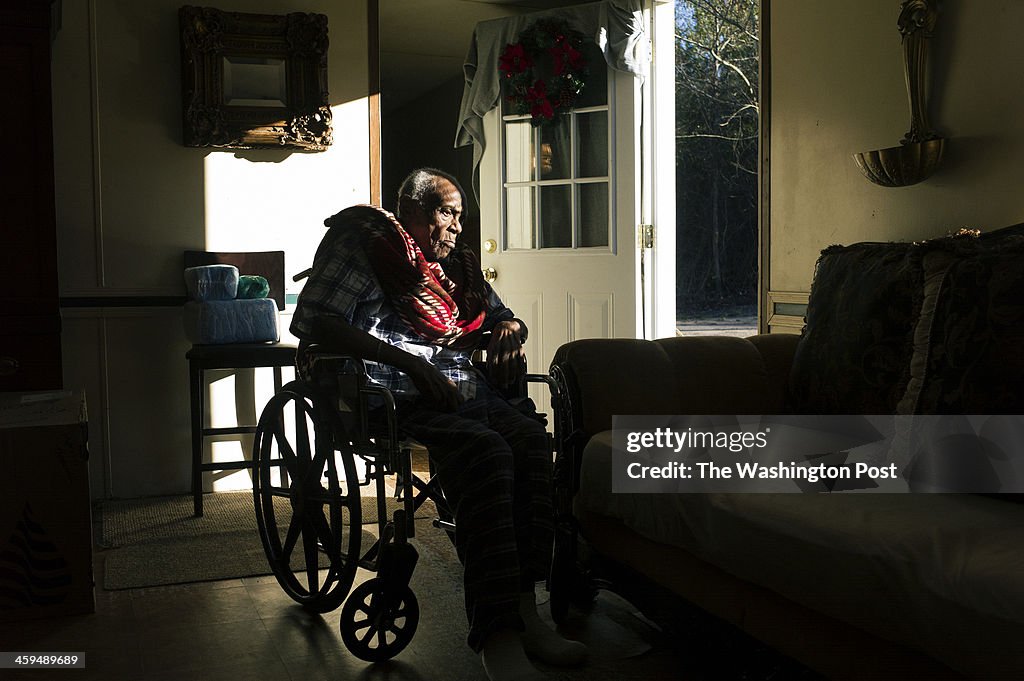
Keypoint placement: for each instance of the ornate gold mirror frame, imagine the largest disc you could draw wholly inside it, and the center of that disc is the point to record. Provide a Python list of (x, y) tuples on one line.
[(254, 81)]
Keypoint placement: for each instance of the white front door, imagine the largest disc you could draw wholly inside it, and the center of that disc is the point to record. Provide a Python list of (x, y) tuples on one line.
[(560, 205)]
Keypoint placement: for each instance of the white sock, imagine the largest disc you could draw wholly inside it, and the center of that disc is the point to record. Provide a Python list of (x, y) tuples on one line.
[(544, 642), (504, 659)]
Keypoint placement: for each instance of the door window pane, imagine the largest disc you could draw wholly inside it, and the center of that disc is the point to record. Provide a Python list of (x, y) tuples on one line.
[(556, 175), (593, 214), (556, 216), (519, 216), (556, 150), (519, 161), (592, 131)]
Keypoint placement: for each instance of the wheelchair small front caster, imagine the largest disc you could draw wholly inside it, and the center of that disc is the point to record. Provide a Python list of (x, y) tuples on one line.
[(377, 625)]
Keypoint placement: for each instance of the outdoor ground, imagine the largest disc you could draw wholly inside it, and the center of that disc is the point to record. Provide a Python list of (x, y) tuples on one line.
[(732, 321)]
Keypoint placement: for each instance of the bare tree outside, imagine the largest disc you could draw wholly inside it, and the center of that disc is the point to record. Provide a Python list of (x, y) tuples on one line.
[(717, 118)]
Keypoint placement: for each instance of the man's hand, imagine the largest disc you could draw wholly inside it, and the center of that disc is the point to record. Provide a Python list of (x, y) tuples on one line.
[(434, 387), (506, 359)]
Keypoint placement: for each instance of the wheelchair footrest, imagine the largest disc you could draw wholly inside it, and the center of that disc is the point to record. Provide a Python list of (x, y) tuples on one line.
[(397, 562), (443, 525)]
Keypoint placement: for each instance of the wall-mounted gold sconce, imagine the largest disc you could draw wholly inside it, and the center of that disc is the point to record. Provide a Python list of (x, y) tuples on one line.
[(920, 151)]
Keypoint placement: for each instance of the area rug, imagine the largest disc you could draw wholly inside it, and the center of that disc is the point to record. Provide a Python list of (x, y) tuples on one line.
[(157, 541)]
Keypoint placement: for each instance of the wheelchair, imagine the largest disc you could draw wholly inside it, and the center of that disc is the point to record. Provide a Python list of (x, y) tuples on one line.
[(321, 442)]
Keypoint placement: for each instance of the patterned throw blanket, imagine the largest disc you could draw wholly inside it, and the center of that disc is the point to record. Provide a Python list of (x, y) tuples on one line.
[(443, 303)]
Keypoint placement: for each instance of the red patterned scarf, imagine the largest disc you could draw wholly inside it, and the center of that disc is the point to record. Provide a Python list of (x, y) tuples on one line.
[(444, 305)]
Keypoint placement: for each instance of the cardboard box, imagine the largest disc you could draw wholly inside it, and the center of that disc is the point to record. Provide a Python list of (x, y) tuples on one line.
[(45, 511)]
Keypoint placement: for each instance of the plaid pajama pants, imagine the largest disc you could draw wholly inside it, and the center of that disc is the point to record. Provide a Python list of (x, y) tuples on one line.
[(494, 465)]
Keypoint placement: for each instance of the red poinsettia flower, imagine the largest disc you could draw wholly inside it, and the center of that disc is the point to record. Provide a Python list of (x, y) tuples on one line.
[(542, 109), (514, 60), (565, 56), (537, 99)]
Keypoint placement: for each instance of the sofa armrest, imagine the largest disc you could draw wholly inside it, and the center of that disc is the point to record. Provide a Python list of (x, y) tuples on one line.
[(606, 376), (597, 378)]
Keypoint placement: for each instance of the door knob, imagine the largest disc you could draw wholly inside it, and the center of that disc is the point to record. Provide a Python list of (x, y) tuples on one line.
[(490, 274)]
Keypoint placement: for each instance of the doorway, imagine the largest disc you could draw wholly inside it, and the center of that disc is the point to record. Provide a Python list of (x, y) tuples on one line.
[(701, 276), (717, 108), (423, 45)]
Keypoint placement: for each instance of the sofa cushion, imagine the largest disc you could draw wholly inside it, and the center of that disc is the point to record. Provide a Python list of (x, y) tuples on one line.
[(881, 562), (968, 353), (724, 375), (854, 354)]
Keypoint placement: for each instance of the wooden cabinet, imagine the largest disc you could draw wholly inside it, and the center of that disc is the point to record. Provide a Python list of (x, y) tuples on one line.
[(29, 309), (45, 524)]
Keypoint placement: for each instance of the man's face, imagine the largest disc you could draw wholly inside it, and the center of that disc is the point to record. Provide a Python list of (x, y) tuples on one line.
[(435, 232)]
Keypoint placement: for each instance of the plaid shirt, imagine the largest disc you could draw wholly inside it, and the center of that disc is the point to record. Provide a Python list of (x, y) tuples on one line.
[(343, 284)]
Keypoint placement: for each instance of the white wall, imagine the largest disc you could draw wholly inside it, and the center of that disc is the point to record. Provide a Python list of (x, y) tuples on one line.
[(131, 198), (838, 88)]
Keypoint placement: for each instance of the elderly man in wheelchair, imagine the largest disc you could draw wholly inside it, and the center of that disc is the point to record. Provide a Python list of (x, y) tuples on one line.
[(400, 296)]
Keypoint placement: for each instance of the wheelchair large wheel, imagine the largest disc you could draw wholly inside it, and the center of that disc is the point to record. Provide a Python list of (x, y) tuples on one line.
[(377, 623), (306, 497)]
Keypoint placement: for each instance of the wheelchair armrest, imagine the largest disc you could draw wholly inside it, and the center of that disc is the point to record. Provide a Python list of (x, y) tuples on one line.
[(544, 378), (324, 359), (345, 377)]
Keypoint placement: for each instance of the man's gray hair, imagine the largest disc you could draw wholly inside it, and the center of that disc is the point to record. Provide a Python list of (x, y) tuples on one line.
[(420, 188)]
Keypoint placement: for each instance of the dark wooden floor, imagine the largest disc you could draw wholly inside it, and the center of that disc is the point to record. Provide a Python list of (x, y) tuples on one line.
[(249, 630)]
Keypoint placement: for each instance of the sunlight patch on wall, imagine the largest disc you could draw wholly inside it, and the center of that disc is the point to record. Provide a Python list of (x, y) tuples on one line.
[(269, 199)]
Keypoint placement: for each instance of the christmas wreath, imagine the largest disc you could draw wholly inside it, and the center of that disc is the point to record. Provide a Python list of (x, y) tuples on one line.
[(545, 71)]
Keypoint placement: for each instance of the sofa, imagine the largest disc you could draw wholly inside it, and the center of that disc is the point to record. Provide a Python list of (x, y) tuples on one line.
[(855, 586)]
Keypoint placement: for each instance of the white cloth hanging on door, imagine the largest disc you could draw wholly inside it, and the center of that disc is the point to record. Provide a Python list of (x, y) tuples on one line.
[(616, 27)]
